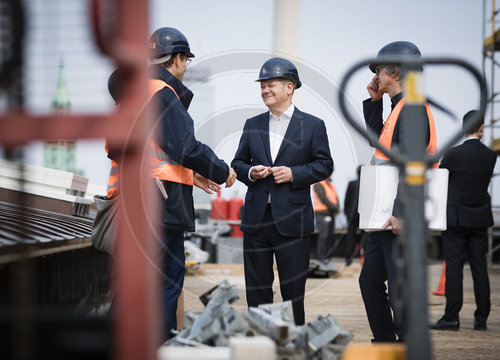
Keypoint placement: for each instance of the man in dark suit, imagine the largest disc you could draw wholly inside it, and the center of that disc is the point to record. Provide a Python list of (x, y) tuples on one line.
[(352, 215), (281, 153), (468, 218)]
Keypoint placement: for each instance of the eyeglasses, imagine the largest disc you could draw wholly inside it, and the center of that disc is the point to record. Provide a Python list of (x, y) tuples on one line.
[(378, 69), (186, 56)]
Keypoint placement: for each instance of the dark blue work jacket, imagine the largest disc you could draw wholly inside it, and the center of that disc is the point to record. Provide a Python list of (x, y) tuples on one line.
[(177, 139)]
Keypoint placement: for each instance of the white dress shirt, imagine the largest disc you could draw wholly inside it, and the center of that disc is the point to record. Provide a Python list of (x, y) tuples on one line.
[(471, 138), (277, 131)]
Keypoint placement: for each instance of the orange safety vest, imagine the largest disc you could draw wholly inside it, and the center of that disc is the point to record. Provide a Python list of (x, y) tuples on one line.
[(114, 177), (162, 167), (330, 193), (388, 131)]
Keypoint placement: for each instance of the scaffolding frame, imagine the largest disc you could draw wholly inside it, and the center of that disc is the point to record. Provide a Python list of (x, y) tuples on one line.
[(491, 45), (121, 30)]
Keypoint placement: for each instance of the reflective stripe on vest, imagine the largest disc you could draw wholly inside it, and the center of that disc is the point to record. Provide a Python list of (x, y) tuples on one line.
[(162, 167), (331, 195), (388, 131), (114, 177)]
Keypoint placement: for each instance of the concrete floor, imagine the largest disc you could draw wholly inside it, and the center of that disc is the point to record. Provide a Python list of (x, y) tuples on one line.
[(340, 297)]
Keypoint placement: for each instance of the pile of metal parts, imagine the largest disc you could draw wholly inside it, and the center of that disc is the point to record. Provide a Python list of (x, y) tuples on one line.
[(324, 338)]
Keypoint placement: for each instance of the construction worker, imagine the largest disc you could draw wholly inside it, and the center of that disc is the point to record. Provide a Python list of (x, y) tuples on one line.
[(352, 215), (281, 153), (469, 216), (379, 265), (160, 169), (325, 206), (180, 154), (116, 84)]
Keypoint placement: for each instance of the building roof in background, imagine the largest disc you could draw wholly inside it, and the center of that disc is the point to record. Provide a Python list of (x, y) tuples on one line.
[(42, 211), (48, 231), (30, 226)]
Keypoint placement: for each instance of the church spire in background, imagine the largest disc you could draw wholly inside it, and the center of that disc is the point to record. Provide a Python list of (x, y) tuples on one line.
[(61, 101), (60, 154)]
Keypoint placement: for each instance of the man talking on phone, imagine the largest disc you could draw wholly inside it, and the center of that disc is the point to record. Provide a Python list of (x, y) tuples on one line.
[(379, 265)]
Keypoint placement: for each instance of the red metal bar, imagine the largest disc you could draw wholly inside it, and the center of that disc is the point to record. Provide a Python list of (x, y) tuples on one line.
[(137, 326), (19, 128), (137, 320), (137, 330)]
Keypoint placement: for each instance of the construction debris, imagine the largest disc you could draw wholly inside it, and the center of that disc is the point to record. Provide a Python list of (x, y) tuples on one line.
[(282, 310), (277, 329), (219, 323), (324, 331), (205, 297)]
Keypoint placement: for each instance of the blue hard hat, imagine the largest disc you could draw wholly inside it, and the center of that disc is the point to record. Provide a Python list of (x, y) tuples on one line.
[(396, 48), (166, 41), (279, 68)]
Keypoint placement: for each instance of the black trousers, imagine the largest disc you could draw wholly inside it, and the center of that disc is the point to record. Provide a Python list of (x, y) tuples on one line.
[(352, 237), (292, 259), (473, 242), (379, 267), (326, 228)]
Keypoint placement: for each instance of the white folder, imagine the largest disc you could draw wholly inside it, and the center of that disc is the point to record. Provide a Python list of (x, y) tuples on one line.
[(378, 188)]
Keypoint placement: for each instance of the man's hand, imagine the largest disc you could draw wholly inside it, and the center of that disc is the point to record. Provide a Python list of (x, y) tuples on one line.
[(282, 174), (259, 172), (231, 178), (395, 223), (373, 89), (205, 184)]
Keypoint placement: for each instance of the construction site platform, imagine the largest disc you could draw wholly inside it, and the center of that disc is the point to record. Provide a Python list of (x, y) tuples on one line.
[(340, 296)]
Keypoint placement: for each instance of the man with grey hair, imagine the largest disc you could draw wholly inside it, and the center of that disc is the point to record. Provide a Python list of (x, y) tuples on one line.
[(379, 265)]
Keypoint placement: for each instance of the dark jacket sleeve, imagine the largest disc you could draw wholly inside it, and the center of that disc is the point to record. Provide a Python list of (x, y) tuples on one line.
[(179, 142), (321, 165), (373, 113), (350, 196), (444, 161), (242, 161)]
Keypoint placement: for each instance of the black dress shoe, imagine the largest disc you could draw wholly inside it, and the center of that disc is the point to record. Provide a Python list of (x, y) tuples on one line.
[(478, 325), (444, 324)]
